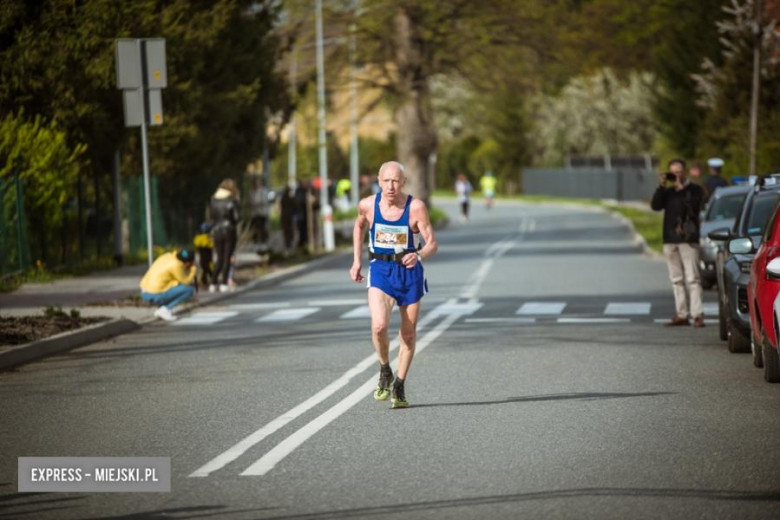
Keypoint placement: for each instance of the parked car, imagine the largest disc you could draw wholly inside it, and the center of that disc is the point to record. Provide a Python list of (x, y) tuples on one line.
[(763, 289), (719, 215), (733, 265)]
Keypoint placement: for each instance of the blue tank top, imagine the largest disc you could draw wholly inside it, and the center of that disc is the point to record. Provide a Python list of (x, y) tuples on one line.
[(389, 237)]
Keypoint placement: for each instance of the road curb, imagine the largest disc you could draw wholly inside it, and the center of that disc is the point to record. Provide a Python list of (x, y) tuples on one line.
[(92, 334), (64, 342), (639, 240)]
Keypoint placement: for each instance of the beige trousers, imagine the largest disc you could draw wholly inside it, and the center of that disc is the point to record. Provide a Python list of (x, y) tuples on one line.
[(683, 263)]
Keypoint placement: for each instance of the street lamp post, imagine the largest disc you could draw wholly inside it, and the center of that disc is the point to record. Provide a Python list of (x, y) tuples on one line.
[(326, 210)]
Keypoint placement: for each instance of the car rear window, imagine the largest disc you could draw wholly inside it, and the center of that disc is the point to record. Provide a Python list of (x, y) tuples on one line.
[(726, 207), (759, 214)]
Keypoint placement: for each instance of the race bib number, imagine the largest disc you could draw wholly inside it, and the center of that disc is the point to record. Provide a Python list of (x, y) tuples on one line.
[(388, 237)]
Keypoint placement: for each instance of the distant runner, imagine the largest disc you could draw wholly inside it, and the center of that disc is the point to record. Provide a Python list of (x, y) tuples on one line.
[(395, 271), (463, 190), (488, 186)]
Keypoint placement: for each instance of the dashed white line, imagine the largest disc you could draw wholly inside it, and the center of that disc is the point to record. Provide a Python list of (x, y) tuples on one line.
[(288, 314)]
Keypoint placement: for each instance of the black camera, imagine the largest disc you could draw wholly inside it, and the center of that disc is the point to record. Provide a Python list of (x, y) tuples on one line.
[(671, 177)]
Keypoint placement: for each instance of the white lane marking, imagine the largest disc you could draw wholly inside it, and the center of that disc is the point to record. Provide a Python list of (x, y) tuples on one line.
[(470, 291), (711, 309), (337, 303), (458, 309), (593, 320), (205, 318), (547, 308), (288, 314), (267, 462), (359, 312), (627, 308), (259, 306), (238, 449), (666, 320), (525, 321)]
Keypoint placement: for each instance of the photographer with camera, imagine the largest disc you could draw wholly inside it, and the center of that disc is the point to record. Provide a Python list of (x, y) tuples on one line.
[(681, 201)]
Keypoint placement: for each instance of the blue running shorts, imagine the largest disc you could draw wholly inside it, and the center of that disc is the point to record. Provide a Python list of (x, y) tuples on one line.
[(406, 286)]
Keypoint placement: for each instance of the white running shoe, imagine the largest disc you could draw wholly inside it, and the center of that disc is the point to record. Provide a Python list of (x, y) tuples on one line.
[(164, 313), (212, 288), (224, 287)]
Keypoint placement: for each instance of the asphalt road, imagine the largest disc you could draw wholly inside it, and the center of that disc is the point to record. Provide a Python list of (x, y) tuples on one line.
[(543, 388)]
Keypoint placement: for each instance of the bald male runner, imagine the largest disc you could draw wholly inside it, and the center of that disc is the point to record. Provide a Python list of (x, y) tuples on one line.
[(395, 271)]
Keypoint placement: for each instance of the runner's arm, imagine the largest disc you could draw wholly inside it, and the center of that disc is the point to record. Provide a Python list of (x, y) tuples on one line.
[(358, 234), (420, 215)]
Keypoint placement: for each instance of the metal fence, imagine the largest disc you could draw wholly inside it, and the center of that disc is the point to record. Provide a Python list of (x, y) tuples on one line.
[(14, 244), (591, 183)]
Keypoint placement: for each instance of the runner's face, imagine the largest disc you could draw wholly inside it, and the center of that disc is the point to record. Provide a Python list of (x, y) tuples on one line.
[(391, 181)]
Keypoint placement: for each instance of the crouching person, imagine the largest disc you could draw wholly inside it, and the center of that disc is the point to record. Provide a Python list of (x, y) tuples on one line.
[(167, 282)]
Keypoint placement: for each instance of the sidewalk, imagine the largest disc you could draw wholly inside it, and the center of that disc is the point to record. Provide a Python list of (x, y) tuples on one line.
[(83, 292)]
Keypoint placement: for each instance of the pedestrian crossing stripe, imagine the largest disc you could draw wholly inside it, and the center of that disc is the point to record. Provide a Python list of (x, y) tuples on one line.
[(357, 313), (205, 318), (627, 308), (538, 308), (288, 314)]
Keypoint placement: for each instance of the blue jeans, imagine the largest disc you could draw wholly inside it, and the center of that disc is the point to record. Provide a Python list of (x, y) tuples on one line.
[(170, 298)]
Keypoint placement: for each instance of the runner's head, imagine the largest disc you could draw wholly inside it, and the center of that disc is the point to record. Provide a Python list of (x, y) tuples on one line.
[(392, 179)]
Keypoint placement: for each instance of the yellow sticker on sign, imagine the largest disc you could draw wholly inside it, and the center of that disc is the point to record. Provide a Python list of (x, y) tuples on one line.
[(158, 118), (157, 75)]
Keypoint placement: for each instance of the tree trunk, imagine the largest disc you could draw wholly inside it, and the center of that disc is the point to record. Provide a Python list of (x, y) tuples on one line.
[(414, 115)]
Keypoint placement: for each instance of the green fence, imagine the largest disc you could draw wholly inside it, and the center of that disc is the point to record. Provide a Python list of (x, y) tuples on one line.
[(14, 243), (136, 215)]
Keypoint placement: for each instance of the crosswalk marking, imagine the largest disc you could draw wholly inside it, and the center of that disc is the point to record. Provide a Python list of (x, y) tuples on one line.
[(205, 318), (627, 308), (529, 308), (359, 312), (523, 321), (259, 306), (337, 303), (593, 320), (455, 308), (288, 314), (711, 309)]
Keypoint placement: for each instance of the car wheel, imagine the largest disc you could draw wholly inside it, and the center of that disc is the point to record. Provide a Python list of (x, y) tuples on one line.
[(707, 284), (771, 363), (722, 324), (755, 350), (737, 342)]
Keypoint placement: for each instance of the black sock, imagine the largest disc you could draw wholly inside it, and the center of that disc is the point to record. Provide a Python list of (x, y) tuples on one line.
[(385, 369), (399, 381)]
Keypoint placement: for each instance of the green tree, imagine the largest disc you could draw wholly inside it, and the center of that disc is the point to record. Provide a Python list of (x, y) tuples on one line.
[(38, 154)]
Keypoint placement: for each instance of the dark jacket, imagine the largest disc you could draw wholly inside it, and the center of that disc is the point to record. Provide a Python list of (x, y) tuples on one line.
[(678, 207), (224, 213)]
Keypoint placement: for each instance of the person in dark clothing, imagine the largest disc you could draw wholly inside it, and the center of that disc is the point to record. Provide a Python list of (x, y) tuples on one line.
[(225, 216), (300, 214), (681, 203), (715, 180), (287, 210)]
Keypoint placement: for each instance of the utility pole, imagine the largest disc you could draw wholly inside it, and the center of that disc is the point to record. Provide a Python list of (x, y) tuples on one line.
[(757, 41), (325, 209), (353, 149), (292, 155)]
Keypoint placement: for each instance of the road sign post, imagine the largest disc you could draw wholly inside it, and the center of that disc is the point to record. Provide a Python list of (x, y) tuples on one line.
[(141, 73)]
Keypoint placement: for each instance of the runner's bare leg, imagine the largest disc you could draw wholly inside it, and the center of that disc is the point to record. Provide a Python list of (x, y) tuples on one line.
[(380, 305), (408, 337)]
